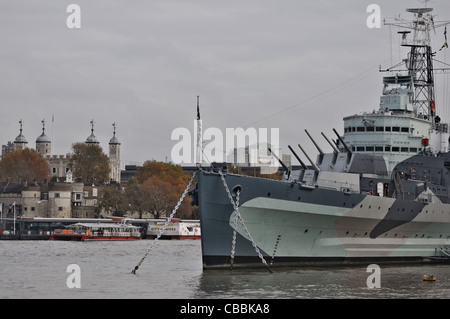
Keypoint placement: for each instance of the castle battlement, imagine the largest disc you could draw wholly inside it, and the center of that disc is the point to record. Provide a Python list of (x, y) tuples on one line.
[(57, 157), (60, 164)]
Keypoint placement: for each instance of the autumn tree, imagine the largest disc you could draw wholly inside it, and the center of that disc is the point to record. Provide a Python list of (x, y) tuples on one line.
[(24, 165), (160, 196), (157, 189), (114, 201), (90, 163), (134, 197)]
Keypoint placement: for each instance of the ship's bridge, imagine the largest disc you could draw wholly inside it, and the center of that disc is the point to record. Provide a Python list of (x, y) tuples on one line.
[(395, 131), (395, 137)]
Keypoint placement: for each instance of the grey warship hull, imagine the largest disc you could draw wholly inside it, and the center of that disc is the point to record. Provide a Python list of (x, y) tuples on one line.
[(382, 195), (293, 225)]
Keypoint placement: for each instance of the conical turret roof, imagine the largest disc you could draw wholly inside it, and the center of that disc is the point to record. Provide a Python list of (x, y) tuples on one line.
[(92, 139), (43, 138), (114, 139), (20, 138)]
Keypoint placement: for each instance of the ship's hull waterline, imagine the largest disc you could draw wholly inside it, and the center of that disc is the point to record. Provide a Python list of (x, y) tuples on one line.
[(294, 225)]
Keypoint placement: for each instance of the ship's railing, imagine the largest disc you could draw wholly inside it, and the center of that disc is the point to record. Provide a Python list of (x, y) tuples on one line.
[(443, 253)]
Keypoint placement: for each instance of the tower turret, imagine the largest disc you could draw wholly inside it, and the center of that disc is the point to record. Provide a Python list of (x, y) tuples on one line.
[(43, 143), (20, 143), (92, 139)]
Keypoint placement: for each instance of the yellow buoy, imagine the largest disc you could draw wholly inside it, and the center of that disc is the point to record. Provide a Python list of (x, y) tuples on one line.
[(429, 278)]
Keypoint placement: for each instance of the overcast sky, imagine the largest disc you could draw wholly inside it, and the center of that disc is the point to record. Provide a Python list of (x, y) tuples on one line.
[(284, 64)]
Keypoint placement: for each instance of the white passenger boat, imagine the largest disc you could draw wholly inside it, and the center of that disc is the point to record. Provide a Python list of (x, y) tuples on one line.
[(97, 231)]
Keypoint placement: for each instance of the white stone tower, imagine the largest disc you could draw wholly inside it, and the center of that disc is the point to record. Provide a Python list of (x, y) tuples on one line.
[(114, 157)]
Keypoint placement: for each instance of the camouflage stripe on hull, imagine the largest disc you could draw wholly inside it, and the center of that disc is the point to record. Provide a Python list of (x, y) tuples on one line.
[(292, 225)]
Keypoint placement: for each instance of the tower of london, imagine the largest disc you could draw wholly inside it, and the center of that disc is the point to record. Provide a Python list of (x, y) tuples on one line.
[(60, 164)]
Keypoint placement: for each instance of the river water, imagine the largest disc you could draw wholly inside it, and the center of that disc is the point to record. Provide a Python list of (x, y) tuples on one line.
[(173, 270)]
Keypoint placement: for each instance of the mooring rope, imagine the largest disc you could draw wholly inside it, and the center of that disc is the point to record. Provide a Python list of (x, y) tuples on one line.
[(161, 231)]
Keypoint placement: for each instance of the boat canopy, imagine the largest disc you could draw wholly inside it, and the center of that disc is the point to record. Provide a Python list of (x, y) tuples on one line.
[(102, 226)]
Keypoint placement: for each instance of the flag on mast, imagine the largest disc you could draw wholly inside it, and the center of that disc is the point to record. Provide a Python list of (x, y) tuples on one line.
[(445, 45)]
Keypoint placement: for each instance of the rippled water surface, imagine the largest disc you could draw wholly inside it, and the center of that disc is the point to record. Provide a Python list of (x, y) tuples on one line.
[(173, 269)]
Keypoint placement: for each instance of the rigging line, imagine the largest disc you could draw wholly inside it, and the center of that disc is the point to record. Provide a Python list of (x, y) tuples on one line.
[(302, 103), (308, 99), (434, 60)]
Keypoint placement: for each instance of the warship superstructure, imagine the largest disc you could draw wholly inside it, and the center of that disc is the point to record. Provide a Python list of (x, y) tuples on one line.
[(382, 195)]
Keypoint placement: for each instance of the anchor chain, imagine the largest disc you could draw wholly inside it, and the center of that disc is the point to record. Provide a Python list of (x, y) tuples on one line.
[(236, 212), (233, 242), (161, 231)]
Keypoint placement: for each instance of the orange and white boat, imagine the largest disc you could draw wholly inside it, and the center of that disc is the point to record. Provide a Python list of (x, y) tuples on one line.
[(97, 231)]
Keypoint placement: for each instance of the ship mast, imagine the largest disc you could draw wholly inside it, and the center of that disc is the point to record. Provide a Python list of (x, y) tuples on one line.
[(419, 62)]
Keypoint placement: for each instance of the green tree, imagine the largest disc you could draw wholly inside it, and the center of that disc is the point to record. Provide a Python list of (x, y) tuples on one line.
[(24, 165), (90, 163)]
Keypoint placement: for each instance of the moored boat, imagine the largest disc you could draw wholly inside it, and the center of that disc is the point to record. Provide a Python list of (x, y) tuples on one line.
[(97, 231), (175, 229), (382, 195)]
